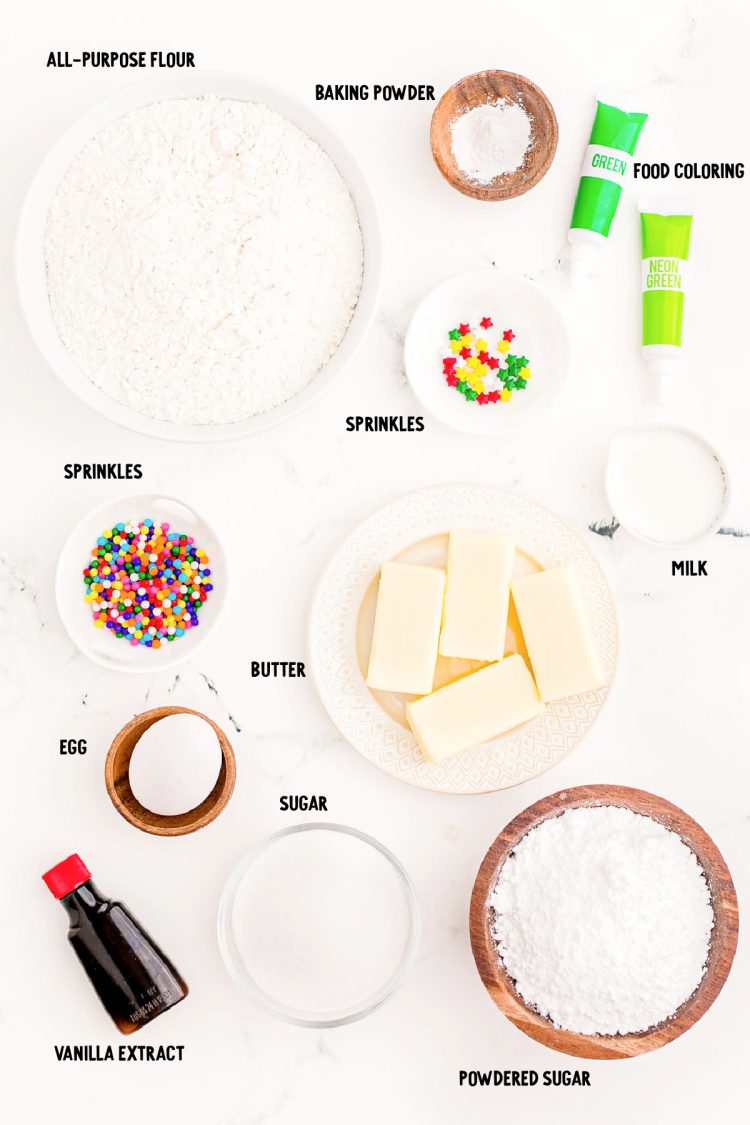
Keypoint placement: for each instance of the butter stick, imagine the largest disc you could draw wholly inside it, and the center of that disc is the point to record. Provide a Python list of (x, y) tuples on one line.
[(407, 627), (477, 593), (557, 633), (482, 705)]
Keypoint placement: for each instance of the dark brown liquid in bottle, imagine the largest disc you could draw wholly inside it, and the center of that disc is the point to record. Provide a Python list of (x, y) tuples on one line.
[(133, 978)]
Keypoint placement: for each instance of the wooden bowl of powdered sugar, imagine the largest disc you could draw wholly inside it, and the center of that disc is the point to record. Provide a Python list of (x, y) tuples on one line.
[(603, 921), (493, 135)]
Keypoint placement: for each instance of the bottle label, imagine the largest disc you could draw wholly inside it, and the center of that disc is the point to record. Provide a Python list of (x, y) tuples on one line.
[(605, 163), (663, 273)]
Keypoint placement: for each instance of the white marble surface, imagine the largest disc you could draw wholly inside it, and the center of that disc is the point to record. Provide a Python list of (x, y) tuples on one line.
[(676, 720)]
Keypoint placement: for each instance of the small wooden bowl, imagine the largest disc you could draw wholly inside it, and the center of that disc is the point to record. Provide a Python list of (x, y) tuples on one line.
[(116, 776), (480, 89), (723, 939)]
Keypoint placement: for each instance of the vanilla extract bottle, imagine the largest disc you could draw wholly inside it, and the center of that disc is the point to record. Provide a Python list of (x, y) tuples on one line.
[(134, 980)]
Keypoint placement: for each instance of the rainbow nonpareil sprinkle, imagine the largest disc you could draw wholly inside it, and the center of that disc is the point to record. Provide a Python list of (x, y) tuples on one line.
[(146, 583)]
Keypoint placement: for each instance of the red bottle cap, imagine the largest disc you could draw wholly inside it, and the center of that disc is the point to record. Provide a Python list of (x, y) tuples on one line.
[(66, 876)]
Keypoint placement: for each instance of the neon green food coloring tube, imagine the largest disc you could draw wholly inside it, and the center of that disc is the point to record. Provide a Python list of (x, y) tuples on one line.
[(665, 237), (614, 135)]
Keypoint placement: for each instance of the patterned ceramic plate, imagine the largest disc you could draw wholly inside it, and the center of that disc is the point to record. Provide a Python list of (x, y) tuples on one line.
[(415, 529)]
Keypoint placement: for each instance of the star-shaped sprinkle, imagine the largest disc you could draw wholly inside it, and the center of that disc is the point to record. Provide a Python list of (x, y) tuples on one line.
[(455, 334), (455, 346), (503, 346), (481, 345), (509, 335), (493, 363), (485, 322), (505, 395), (484, 356), (463, 329), (466, 352), (482, 399)]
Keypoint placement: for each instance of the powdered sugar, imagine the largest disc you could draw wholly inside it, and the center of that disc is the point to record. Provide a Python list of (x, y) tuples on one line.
[(491, 140), (603, 919), (204, 259)]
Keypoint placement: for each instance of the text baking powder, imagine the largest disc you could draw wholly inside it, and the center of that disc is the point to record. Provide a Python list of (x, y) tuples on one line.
[(603, 919), (204, 259)]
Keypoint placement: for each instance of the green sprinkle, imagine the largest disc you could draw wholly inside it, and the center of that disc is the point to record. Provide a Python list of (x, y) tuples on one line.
[(454, 334)]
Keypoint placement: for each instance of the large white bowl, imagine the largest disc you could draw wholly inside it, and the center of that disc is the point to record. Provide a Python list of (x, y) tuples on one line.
[(31, 274)]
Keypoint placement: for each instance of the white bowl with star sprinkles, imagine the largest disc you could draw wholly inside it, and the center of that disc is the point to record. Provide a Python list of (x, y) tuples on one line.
[(486, 353)]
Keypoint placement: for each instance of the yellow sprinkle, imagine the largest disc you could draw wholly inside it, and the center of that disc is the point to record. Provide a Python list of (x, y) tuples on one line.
[(503, 346), (505, 395), (484, 370), (481, 345), (90, 597), (524, 373), (467, 340), (472, 361), (98, 623), (456, 346)]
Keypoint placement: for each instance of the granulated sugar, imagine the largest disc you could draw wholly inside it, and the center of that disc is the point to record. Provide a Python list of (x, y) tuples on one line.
[(204, 259), (321, 922), (603, 920), (491, 140)]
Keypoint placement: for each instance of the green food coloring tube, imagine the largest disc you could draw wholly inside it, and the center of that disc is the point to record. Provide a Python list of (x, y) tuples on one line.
[(665, 238), (614, 135)]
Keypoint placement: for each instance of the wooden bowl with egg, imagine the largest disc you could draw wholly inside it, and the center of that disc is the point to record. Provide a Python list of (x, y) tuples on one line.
[(723, 936), (117, 778), (488, 87)]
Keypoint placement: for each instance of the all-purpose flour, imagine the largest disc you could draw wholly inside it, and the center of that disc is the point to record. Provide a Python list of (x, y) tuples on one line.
[(603, 920), (204, 259)]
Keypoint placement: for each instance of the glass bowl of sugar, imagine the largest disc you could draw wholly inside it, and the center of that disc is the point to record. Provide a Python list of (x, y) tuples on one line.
[(319, 925)]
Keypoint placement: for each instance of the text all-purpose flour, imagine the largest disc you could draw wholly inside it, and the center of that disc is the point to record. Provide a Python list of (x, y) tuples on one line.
[(204, 259), (603, 920)]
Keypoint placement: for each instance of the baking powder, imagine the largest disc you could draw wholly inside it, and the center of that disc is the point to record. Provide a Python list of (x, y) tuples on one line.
[(204, 259), (603, 920), (491, 140)]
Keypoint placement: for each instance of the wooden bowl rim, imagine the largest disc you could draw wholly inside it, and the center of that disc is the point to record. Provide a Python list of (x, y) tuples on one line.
[(118, 784), (511, 185), (723, 942)]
